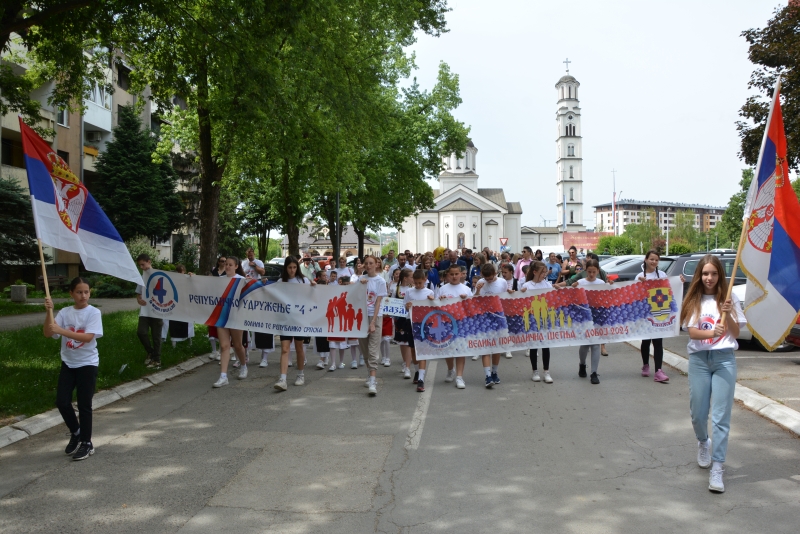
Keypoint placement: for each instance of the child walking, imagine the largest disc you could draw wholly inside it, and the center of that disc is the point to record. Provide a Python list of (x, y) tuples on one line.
[(490, 284), (455, 289), (420, 291), (651, 272), (371, 345), (292, 275), (713, 324), (537, 278), (592, 272), (231, 337), (402, 325), (79, 327)]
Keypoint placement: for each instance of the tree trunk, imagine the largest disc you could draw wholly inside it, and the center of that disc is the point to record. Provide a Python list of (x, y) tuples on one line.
[(210, 175), (292, 232), (263, 251), (328, 211), (360, 233)]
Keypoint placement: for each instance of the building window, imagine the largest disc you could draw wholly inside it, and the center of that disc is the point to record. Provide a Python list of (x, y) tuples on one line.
[(63, 117), (123, 77), (571, 217), (63, 155), (571, 197), (570, 150), (461, 239), (447, 240), (12, 153), (570, 172)]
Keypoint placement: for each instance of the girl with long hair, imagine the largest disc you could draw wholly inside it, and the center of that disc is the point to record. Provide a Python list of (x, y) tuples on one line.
[(650, 272), (231, 337), (292, 274)]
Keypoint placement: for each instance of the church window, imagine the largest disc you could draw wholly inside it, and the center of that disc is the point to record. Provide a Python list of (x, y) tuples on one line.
[(571, 197), (461, 238), (571, 217), (570, 172), (570, 150), (447, 240), (570, 91)]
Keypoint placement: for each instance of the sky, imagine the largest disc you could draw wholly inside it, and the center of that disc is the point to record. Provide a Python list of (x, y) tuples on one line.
[(661, 87)]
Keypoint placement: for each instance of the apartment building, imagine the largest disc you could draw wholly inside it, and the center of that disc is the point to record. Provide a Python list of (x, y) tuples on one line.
[(630, 211)]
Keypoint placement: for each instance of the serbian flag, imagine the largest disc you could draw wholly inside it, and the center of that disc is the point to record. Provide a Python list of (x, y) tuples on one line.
[(67, 216), (770, 255)]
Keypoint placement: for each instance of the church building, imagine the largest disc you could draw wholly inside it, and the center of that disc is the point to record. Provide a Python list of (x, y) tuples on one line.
[(464, 215), (569, 154)]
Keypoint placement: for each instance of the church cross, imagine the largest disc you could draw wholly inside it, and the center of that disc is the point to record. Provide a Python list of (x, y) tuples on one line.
[(567, 62)]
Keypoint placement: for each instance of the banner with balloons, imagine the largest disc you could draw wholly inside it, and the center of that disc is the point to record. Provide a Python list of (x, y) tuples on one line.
[(586, 315)]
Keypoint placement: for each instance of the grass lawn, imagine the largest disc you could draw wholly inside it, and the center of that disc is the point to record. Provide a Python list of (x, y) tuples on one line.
[(14, 308), (29, 362)]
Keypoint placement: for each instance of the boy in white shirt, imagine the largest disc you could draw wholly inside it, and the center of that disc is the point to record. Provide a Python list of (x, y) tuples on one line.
[(418, 292), (490, 284), (455, 290), (371, 345)]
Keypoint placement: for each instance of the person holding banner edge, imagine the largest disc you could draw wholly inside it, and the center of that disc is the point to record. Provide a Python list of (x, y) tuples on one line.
[(490, 284), (231, 337), (455, 290), (147, 324), (418, 292), (402, 325), (292, 275), (371, 345), (535, 279)]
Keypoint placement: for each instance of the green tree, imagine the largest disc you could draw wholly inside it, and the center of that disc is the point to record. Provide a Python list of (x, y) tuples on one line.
[(645, 234), (616, 245), (392, 245), (18, 244), (731, 225), (684, 231), (773, 49), (137, 194)]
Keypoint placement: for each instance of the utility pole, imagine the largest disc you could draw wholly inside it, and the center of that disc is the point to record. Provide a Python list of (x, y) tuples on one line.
[(614, 202)]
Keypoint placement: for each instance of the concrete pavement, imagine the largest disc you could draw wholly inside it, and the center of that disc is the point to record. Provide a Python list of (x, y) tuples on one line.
[(566, 457), (15, 322)]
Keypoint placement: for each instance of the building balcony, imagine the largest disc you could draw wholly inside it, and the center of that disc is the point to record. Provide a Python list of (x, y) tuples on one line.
[(97, 117), (16, 173)]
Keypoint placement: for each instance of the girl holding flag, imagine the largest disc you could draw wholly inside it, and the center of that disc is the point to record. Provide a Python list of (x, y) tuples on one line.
[(231, 336)]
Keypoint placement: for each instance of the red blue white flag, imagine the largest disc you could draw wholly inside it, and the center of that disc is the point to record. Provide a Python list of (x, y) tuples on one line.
[(67, 216), (770, 255)]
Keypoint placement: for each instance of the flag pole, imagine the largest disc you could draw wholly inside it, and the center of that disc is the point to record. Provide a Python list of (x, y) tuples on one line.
[(44, 279), (745, 216)]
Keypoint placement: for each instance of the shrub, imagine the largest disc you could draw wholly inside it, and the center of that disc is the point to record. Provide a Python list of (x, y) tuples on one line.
[(679, 247)]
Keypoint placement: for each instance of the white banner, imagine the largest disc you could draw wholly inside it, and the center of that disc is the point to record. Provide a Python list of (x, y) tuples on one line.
[(287, 309)]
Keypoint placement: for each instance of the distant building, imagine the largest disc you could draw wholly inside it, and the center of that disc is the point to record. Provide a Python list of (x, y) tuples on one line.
[(630, 211), (540, 236), (315, 238)]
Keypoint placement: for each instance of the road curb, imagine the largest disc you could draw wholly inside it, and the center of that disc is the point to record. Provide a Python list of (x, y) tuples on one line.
[(771, 409), (47, 420)]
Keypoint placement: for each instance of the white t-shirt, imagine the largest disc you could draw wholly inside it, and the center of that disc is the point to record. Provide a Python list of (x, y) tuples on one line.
[(391, 288), (376, 287), (403, 290), (655, 275), (250, 271), (346, 271), (396, 266), (74, 353), (709, 316), (417, 294), (585, 282), (295, 280), (454, 291), (544, 284), (497, 286)]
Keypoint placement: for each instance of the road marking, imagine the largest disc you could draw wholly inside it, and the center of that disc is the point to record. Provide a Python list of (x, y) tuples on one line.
[(418, 421), (795, 357)]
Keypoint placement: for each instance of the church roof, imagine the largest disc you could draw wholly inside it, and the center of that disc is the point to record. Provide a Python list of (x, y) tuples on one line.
[(514, 207), (470, 144), (567, 78), (540, 229), (495, 195), (445, 174), (460, 205)]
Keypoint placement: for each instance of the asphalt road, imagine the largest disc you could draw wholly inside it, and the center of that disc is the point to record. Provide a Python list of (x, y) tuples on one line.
[(524, 457)]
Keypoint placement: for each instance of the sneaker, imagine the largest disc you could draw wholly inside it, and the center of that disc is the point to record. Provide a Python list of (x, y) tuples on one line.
[(475, 358), (361, 362), (72, 446), (645, 370), (595, 379), (300, 380), (489, 382), (416, 378), (420, 386), (321, 365), (660, 376), (290, 363), (354, 365), (581, 371), (332, 368), (147, 361), (495, 379), (236, 363), (547, 378), (280, 385), (704, 453), (536, 377), (366, 382), (154, 364), (214, 355), (263, 362), (342, 365), (451, 375), (407, 373), (387, 362), (460, 383), (509, 355), (715, 483), (86, 449), (243, 373), (221, 382), (373, 389)]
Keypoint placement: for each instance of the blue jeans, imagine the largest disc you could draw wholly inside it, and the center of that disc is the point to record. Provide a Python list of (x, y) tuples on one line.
[(712, 381)]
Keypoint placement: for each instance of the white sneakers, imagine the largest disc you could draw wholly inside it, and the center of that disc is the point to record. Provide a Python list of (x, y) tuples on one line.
[(373, 387), (704, 453), (354, 365), (243, 372), (460, 383), (406, 373), (215, 355), (536, 377), (221, 382), (342, 365), (509, 355), (263, 362), (387, 362), (300, 380), (361, 361), (715, 482), (280, 385), (451, 375), (321, 364), (475, 358), (547, 379)]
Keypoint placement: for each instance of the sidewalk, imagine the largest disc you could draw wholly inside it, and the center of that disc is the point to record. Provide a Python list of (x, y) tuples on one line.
[(15, 322)]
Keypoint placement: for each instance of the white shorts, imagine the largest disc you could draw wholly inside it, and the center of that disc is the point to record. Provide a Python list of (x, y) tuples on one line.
[(338, 345)]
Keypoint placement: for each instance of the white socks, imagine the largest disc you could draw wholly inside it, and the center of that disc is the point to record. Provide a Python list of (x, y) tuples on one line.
[(223, 375), (422, 374), (354, 352), (283, 377), (341, 356), (715, 466), (213, 344), (488, 371), (494, 368), (385, 348)]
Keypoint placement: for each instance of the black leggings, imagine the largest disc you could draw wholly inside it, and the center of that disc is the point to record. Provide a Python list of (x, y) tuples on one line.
[(82, 379), (658, 352), (545, 358)]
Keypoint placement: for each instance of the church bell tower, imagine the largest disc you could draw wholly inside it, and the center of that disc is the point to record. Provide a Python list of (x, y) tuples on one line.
[(569, 153)]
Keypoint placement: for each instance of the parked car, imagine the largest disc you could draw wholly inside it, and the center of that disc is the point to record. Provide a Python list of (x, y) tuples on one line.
[(630, 270), (686, 264), (272, 272), (791, 341), (277, 261), (627, 259), (322, 261)]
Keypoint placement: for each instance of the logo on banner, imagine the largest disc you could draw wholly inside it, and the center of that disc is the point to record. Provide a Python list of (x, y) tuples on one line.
[(339, 309), (161, 293), (70, 194), (660, 301), (439, 328)]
